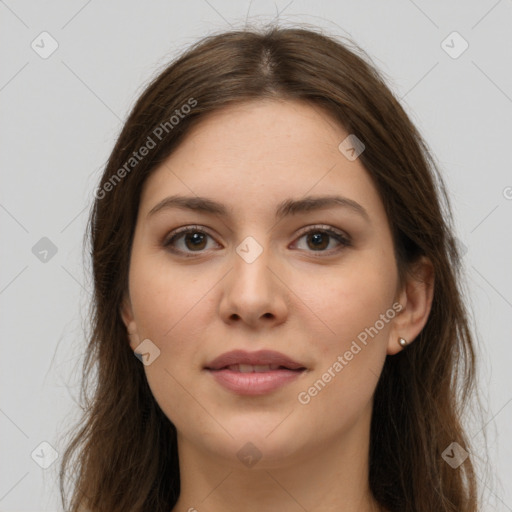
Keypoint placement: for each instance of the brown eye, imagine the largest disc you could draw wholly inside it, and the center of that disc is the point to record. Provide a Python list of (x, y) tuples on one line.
[(318, 240), (187, 240), (324, 240), (195, 240)]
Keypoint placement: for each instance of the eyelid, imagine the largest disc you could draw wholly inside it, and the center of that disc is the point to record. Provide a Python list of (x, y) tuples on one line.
[(184, 230), (324, 227)]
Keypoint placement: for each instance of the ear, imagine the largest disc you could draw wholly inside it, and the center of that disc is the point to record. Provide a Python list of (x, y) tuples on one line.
[(415, 298), (126, 312)]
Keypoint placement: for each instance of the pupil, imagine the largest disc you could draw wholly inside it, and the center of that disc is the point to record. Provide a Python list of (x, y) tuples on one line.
[(317, 237), (196, 238)]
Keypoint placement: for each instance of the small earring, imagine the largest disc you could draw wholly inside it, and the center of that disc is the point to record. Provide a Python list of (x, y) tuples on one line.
[(402, 342)]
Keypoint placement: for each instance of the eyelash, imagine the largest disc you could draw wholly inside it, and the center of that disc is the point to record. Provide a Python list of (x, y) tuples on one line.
[(340, 237)]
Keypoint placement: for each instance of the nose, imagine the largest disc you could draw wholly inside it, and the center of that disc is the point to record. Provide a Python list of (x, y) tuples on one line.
[(254, 293)]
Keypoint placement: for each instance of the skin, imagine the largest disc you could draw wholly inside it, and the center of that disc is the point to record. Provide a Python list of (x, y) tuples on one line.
[(305, 302)]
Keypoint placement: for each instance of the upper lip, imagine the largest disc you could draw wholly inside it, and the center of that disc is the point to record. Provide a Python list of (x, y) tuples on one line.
[(262, 357)]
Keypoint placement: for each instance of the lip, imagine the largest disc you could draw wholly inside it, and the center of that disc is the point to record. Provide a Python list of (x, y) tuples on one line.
[(261, 357), (254, 383)]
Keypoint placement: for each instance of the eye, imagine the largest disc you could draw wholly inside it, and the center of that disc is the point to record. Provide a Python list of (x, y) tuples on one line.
[(319, 238), (187, 239), (190, 239)]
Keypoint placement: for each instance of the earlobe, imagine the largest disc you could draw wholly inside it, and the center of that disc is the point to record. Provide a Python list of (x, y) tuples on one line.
[(416, 300), (129, 321)]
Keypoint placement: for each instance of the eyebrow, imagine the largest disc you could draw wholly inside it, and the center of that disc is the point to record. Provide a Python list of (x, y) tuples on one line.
[(285, 208)]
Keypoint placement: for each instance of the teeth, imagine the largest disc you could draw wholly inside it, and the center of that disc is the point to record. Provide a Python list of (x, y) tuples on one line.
[(249, 368), (246, 368)]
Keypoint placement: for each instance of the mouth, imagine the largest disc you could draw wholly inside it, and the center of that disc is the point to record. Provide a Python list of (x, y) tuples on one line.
[(256, 373)]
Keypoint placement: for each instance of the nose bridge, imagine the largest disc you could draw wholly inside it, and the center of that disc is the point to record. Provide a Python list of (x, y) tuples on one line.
[(251, 268), (252, 292)]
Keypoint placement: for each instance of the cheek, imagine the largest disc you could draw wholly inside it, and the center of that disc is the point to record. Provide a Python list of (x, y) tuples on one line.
[(173, 308), (356, 304), (357, 307), (351, 298), (167, 306), (163, 297)]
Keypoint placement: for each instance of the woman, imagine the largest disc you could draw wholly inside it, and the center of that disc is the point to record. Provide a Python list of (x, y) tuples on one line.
[(272, 241)]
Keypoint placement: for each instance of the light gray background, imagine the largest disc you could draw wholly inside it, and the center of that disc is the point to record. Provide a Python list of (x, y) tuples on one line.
[(59, 120)]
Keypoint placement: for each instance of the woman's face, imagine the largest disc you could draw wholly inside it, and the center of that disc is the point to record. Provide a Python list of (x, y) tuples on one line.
[(316, 282)]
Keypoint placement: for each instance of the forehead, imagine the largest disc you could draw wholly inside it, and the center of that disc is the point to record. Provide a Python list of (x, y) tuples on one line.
[(256, 153), (259, 127)]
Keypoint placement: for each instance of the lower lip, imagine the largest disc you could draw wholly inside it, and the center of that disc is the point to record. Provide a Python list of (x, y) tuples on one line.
[(254, 383)]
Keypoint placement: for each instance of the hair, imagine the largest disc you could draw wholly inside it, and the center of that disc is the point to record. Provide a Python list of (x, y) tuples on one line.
[(124, 451)]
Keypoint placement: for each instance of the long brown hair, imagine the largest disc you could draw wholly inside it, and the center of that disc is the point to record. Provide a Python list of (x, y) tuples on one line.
[(123, 454)]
